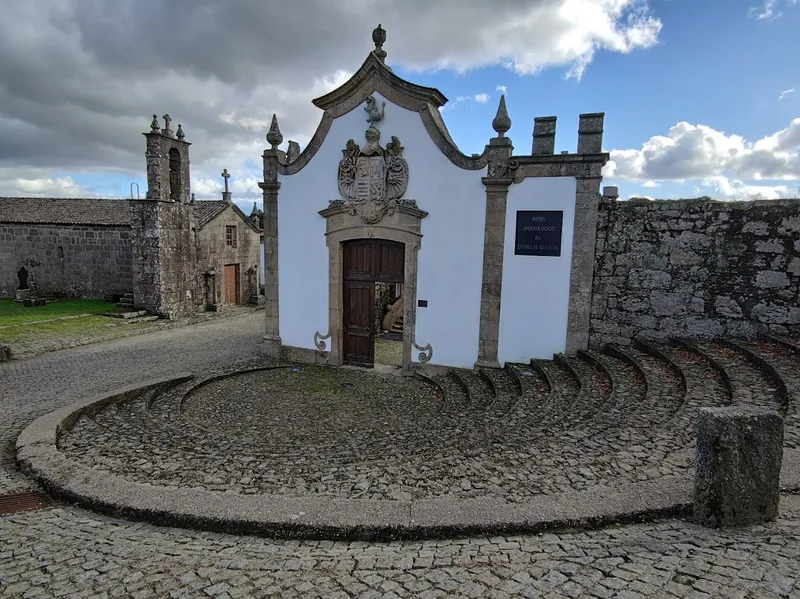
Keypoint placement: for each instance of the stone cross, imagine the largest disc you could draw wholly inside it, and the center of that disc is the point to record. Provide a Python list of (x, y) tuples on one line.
[(225, 176), (167, 121)]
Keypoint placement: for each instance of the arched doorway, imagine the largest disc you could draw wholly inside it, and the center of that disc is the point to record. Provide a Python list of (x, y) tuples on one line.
[(365, 262)]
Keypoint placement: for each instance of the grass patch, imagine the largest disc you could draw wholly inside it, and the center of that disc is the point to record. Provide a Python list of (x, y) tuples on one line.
[(14, 313), (49, 336)]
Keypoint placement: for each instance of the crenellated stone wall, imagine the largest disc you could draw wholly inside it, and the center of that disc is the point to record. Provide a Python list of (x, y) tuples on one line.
[(696, 268)]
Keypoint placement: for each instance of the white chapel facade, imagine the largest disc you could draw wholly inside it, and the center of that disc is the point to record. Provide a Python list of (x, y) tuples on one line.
[(492, 253)]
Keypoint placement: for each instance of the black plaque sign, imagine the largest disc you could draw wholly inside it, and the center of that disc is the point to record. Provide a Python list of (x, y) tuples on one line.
[(538, 233)]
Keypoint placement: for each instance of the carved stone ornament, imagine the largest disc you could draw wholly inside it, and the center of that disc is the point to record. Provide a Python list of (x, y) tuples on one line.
[(426, 353), (374, 114), (373, 178)]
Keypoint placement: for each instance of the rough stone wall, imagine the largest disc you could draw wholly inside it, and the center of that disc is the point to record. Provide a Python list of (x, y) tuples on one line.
[(213, 252), (163, 249), (696, 268), (78, 261)]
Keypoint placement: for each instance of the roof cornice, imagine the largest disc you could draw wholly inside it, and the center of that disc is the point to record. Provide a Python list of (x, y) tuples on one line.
[(374, 76)]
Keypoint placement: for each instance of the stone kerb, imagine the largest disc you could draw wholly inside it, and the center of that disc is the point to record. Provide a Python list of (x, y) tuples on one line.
[(318, 517), (738, 466)]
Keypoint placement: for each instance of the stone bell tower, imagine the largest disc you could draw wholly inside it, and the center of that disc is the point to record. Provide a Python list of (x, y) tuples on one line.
[(163, 227)]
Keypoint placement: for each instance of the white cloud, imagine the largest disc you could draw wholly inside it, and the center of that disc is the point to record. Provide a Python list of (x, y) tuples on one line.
[(730, 189), (79, 79), (785, 93), (481, 98), (39, 183), (501, 88), (770, 9), (698, 151)]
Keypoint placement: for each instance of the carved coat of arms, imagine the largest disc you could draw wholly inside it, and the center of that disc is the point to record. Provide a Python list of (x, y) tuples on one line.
[(372, 178)]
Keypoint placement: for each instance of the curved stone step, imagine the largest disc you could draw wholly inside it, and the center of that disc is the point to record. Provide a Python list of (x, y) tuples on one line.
[(665, 382), (783, 361), (535, 389), (507, 391), (707, 381), (563, 389), (750, 384), (594, 396), (480, 392)]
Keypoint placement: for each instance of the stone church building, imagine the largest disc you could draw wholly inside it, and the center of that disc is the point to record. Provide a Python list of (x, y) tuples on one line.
[(492, 253), (175, 255)]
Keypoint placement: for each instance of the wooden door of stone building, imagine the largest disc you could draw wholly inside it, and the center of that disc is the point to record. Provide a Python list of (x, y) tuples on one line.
[(231, 280), (365, 262)]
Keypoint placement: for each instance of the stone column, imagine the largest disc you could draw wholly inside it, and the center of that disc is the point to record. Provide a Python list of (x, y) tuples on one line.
[(271, 343), (737, 466), (499, 178)]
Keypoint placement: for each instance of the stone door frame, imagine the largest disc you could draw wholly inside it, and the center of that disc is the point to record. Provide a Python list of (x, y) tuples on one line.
[(401, 226)]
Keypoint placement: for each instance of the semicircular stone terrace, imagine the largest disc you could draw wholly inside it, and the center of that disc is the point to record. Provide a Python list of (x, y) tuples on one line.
[(602, 419)]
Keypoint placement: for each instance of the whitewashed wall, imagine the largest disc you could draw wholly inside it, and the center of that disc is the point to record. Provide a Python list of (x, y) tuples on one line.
[(535, 297), (450, 259)]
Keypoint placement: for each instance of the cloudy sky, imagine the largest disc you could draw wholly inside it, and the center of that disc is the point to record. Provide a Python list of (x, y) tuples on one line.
[(702, 97)]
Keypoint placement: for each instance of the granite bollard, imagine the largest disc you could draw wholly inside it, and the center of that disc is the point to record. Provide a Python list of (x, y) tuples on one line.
[(737, 466)]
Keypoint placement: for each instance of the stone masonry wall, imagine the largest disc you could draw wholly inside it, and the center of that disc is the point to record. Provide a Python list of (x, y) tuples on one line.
[(163, 248), (76, 260), (696, 268), (213, 252)]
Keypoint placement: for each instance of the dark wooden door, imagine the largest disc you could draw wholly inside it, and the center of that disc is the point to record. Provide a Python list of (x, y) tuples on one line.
[(366, 261), (359, 314), (230, 278)]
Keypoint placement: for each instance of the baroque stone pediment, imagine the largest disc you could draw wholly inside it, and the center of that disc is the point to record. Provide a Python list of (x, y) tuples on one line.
[(372, 179)]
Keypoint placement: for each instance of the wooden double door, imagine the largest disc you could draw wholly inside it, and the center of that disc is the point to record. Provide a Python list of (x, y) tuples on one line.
[(365, 262)]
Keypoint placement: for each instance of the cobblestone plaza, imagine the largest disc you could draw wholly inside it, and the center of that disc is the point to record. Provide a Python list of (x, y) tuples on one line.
[(598, 421)]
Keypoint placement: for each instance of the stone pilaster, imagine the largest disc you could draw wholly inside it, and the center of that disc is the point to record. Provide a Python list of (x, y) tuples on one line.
[(492, 284), (587, 198), (590, 133), (271, 345), (544, 135)]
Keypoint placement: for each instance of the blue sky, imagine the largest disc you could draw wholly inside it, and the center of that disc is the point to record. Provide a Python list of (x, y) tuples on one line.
[(702, 97), (715, 64)]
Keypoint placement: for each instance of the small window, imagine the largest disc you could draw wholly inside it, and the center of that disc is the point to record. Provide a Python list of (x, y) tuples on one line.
[(230, 236)]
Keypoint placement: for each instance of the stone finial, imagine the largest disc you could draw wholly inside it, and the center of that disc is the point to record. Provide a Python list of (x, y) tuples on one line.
[(501, 122), (166, 130), (379, 38), (191, 201), (274, 137), (179, 133), (154, 126), (254, 211)]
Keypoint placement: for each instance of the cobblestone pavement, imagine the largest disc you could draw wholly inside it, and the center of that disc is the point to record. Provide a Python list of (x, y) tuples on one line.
[(34, 386), (69, 552), (66, 552), (600, 420)]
